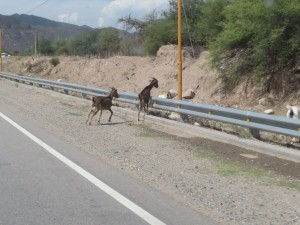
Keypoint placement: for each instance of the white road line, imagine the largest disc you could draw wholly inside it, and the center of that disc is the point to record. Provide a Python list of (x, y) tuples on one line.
[(104, 187)]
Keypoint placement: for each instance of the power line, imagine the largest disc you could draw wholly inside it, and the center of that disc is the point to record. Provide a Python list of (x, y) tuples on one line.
[(36, 7)]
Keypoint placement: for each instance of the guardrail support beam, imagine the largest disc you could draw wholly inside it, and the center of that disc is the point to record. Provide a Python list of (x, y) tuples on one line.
[(83, 95)]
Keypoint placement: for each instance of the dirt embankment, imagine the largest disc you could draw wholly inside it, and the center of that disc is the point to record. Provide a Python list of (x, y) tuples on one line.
[(131, 74)]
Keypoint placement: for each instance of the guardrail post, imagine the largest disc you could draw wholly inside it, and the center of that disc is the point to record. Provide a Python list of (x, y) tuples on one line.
[(183, 117), (83, 95), (66, 91), (254, 133)]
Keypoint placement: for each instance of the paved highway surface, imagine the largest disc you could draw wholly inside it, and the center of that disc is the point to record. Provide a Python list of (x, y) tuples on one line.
[(44, 180)]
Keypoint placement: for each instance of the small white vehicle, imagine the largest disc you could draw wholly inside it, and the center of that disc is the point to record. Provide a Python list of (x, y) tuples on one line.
[(4, 54)]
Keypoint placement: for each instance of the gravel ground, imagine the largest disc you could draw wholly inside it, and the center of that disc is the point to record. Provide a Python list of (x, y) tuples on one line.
[(211, 177)]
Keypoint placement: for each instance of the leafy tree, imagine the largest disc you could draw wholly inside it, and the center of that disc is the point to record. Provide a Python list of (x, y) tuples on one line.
[(157, 30), (191, 10), (191, 14), (267, 34), (160, 33), (45, 47), (139, 25), (211, 21), (62, 46), (131, 46), (83, 44), (107, 42)]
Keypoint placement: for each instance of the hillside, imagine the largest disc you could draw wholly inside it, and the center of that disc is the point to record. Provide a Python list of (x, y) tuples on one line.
[(131, 74), (19, 31)]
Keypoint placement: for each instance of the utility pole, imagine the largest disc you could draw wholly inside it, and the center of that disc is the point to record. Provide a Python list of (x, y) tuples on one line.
[(179, 53), (35, 43), (1, 50)]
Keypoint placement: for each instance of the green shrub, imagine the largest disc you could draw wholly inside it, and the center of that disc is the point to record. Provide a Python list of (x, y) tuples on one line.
[(54, 61), (257, 37)]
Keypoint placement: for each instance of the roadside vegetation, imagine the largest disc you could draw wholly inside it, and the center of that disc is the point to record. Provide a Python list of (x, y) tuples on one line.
[(227, 167), (244, 37), (54, 61)]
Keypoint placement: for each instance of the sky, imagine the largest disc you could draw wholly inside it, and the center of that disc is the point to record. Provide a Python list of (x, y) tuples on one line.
[(93, 13)]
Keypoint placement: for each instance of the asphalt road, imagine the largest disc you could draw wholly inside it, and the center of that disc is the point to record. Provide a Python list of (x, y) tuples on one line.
[(44, 180)]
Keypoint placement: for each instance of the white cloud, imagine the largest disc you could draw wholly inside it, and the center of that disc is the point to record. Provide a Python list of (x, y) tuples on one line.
[(68, 18), (93, 13), (119, 8)]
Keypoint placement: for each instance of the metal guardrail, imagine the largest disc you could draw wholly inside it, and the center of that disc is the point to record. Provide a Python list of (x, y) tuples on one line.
[(253, 120), (125, 97)]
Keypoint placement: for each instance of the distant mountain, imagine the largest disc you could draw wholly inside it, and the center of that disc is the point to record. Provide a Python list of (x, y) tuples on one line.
[(19, 31)]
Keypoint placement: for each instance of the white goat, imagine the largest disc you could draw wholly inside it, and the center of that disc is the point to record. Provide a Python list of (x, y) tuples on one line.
[(171, 94), (294, 113), (187, 94)]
